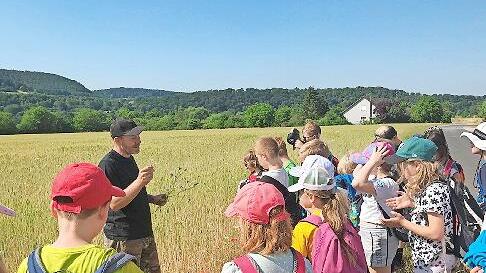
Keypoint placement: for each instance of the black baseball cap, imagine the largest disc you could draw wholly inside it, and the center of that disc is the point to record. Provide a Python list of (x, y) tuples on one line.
[(124, 127)]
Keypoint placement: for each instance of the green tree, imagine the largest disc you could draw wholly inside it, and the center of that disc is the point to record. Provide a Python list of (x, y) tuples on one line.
[(38, 120), (158, 123), (236, 120), (89, 120), (64, 122), (314, 106), (216, 120), (482, 110), (259, 115), (333, 117), (427, 109), (282, 115), (190, 118), (125, 113), (7, 123)]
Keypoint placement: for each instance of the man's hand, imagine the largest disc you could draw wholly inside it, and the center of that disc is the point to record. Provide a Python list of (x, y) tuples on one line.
[(159, 200), (395, 220), (400, 202), (146, 175)]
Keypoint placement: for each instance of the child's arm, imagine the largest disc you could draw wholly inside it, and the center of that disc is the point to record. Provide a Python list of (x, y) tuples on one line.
[(434, 231), (360, 181)]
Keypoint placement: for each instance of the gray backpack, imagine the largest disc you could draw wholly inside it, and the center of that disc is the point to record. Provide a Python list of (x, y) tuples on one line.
[(115, 262)]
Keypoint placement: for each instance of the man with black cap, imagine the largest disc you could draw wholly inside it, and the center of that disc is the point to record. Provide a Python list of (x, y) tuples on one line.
[(129, 224)]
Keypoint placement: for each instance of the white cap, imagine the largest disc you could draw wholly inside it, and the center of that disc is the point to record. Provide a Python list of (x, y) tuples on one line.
[(478, 136), (315, 179), (312, 161)]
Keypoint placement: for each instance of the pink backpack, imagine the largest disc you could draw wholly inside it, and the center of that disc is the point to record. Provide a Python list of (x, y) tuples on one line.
[(327, 254)]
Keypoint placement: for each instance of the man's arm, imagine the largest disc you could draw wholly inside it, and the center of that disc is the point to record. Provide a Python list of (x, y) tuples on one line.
[(144, 177)]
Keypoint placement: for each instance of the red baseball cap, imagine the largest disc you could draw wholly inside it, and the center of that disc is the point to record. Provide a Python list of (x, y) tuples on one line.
[(85, 186), (254, 202)]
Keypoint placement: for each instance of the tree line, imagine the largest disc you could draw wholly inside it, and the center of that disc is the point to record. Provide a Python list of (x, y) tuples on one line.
[(313, 105)]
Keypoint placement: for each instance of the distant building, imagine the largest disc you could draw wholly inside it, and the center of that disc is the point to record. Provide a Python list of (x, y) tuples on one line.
[(360, 112)]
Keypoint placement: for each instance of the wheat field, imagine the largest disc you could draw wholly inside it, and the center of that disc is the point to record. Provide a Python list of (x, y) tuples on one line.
[(191, 232)]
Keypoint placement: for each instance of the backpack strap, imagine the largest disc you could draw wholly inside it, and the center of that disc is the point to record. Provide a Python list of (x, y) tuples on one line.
[(448, 167), (246, 264), (299, 263), (115, 262), (34, 263)]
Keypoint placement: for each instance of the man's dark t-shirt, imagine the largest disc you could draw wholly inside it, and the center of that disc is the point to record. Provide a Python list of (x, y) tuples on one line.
[(133, 221)]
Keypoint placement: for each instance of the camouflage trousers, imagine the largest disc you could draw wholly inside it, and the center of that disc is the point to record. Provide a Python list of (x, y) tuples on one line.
[(144, 249)]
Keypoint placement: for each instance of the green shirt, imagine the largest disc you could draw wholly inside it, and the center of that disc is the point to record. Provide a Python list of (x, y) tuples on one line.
[(84, 259), (289, 165)]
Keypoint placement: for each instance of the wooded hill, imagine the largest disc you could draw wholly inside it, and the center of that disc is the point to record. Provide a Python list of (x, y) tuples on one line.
[(23, 89)]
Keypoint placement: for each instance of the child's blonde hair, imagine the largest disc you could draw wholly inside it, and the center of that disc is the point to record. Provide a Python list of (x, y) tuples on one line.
[(335, 207), (346, 165), (266, 146), (251, 161), (426, 174), (314, 147), (269, 238)]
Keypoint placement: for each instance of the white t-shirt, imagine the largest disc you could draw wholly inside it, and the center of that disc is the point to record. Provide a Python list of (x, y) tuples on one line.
[(282, 262), (280, 175), (385, 188)]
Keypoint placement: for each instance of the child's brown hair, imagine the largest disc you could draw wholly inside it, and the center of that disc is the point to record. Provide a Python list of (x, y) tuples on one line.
[(282, 147), (269, 238), (251, 161)]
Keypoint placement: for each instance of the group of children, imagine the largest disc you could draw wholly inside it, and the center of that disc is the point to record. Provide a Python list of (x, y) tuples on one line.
[(400, 191), (298, 218)]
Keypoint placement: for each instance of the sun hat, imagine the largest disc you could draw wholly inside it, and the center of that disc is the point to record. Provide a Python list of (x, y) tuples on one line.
[(363, 157), (254, 202), (316, 179), (124, 127), (414, 148), (81, 186), (6, 211), (477, 136), (312, 161)]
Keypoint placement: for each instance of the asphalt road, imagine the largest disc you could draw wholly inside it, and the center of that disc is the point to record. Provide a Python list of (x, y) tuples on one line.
[(460, 150)]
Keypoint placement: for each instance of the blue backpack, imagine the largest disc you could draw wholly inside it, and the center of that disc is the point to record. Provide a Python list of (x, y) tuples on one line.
[(115, 262)]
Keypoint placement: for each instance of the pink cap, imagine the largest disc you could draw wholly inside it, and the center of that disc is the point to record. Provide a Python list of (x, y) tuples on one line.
[(254, 202), (85, 185), (363, 157)]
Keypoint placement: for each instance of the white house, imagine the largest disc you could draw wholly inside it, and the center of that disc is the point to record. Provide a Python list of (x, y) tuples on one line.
[(360, 112)]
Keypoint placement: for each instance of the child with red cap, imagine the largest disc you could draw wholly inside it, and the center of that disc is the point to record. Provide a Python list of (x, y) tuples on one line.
[(265, 232), (81, 196)]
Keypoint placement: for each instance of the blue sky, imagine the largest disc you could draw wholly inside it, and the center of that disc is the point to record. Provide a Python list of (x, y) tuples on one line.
[(420, 46)]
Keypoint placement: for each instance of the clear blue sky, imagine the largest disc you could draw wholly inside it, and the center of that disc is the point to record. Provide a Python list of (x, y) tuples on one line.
[(421, 46)]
